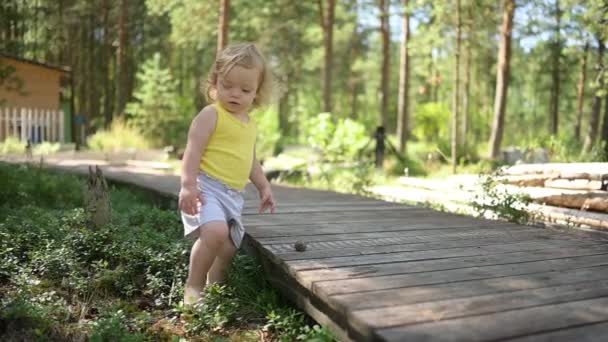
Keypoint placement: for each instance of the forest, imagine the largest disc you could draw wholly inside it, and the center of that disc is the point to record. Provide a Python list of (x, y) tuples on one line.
[(457, 81), (449, 87)]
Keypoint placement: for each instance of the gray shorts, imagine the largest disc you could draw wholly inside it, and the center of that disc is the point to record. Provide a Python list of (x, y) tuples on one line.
[(222, 203)]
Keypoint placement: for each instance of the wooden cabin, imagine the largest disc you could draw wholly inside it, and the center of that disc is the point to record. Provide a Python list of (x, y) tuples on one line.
[(33, 101)]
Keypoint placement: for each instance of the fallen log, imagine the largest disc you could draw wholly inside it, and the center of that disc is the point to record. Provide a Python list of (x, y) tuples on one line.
[(566, 216), (560, 170), (573, 184), (584, 202), (524, 180)]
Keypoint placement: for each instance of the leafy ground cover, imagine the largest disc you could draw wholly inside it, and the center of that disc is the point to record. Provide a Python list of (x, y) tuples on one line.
[(63, 280)]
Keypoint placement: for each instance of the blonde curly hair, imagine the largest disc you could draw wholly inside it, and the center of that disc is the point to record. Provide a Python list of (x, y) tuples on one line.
[(245, 55)]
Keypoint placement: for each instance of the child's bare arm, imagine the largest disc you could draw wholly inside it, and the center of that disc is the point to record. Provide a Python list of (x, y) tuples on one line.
[(201, 129), (258, 179)]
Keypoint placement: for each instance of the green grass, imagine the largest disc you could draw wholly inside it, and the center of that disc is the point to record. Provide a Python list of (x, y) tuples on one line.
[(61, 280)]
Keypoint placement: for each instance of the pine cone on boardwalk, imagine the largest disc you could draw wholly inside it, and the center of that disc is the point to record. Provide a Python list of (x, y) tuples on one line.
[(300, 246)]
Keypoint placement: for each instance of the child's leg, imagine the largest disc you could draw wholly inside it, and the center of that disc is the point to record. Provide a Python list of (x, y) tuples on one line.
[(212, 237), (223, 260)]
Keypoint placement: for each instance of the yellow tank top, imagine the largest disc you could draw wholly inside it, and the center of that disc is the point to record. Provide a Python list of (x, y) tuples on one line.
[(229, 153)]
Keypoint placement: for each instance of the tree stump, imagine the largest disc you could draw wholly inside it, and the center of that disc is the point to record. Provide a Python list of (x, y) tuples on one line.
[(97, 199)]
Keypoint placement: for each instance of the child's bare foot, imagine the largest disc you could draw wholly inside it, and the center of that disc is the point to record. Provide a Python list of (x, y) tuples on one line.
[(191, 295)]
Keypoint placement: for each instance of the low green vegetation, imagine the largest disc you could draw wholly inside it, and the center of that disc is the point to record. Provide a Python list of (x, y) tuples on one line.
[(495, 202), (62, 280), (119, 136), (13, 145)]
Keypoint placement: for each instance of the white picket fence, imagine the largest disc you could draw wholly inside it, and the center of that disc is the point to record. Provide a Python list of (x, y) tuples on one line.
[(35, 125)]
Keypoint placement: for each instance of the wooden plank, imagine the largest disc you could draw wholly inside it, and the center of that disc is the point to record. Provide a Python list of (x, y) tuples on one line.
[(61, 127), (504, 324), (24, 125), (361, 225), (309, 264), (432, 293), (334, 241), (333, 287), (37, 123), (406, 233), (6, 112), (365, 321), (331, 209), (306, 278), (353, 228), (374, 248), (47, 125), (332, 217), (585, 333), (16, 115), (252, 204)]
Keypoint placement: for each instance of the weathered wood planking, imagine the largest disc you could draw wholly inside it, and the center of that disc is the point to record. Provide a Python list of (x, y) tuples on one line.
[(383, 272), (468, 288), (585, 333), (501, 325), (374, 270), (409, 314)]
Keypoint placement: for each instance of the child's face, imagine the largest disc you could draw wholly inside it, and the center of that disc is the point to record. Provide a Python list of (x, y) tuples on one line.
[(237, 89)]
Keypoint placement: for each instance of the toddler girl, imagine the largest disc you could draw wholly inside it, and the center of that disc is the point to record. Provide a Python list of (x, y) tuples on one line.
[(218, 162)]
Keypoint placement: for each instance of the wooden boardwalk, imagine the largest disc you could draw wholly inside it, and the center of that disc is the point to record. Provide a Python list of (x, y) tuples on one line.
[(377, 271)]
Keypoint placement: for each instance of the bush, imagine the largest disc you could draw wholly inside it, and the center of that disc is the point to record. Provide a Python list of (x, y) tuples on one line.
[(120, 136), (431, 124), (340, 141), (268, 133), (46, 148), (11, 145), (495, 202), (158, 112), (25, 185)]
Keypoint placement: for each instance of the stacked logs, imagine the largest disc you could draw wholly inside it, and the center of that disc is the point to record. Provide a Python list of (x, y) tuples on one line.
[(577, 190)]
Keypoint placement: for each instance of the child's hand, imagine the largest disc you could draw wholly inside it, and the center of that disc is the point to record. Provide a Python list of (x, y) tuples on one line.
[(190, 200), (267, 200)]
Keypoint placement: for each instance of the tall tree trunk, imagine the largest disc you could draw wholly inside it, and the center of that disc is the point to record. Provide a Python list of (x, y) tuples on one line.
[(107, 55), (456, 99), (354, 94), (284, 108), (404, 78), (384, 83), (502, 78), (605, 127), (594, 120), (580, 93), (327, 24), (467, 79), (121, 54), (222, 30), (430, 91), (93, 72), (557, 51)]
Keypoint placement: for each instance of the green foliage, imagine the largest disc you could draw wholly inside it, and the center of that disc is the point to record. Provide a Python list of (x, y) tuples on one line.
[(247, 296), (123, 277), (120, 136), (30, 186), (11, 145), (158, 112), (411, 166), (113, 328), (337, 139), (494, 201), (431, 123), (46, 148), (268, 133)]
